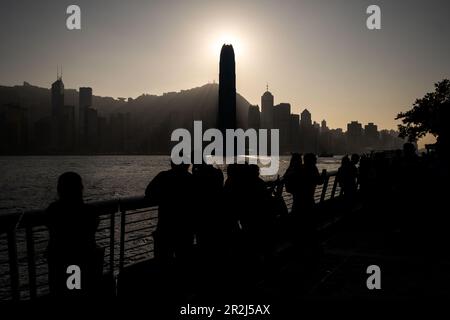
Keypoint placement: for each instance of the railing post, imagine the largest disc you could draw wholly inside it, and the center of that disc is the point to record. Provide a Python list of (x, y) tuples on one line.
[(13, 264), (112, 242), (122, 238), (324, 187), (340, 192), (335, 183), (31, 262)]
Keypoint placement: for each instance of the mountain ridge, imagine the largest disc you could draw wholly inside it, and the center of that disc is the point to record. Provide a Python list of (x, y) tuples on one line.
[(182, 107)]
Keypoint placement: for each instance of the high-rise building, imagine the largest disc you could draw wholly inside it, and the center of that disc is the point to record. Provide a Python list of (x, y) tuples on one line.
[(323, 127), (254, 119), (282, 121), (227, 89), (64, 129), (57, 95), (13, 129), (305, 120), (307, 139), (91, 129), (85, 101), (267, 110), (354, 136), (57, 126), (295, 133), (371, 135)]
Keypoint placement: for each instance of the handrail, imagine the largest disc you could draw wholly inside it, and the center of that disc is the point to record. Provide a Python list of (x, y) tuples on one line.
[(103, 207), (118, 214)]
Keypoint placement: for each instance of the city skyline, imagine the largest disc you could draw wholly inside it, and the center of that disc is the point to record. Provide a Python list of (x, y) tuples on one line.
[(76, 125), (224, 157), (326, 59)]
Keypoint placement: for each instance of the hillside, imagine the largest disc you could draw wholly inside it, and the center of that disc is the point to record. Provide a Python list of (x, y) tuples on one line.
[(180, 108)]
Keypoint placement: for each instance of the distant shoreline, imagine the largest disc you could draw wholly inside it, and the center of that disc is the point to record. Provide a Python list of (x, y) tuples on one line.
[(81, 154)]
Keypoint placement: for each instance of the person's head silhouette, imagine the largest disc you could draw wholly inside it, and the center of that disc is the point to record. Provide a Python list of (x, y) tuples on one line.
[(296, 160), (345, 161), (70, 187), (310, 159), (355, 158), (180, 167)]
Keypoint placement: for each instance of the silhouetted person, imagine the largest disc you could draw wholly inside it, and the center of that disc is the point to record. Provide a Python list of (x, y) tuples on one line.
[(347, 178), (256, 216), (303, 226), (247, 198), (209, 216), (172, 191), (292, 176), (234, 197), (355, 159), (72, 225), (295, 164), (247, 202), (309, 179)]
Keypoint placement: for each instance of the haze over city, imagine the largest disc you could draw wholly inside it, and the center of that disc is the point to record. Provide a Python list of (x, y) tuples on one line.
[(318, 56), (213, 158)]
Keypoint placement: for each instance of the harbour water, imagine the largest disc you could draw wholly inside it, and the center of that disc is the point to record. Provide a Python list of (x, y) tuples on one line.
[(29, 182)]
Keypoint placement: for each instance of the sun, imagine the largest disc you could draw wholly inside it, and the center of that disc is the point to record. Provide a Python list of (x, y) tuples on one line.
[(227, 38)]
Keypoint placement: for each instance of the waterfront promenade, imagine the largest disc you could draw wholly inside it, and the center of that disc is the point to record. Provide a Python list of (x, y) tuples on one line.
[(405, 237)]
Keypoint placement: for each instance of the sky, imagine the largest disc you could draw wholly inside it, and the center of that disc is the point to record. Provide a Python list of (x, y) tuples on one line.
[(313, 54)]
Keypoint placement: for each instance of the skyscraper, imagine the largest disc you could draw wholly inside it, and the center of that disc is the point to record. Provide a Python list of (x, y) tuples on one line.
[(323, 126), (371, 135), (85, 101), (267, 110), (307, 137), (254, 117), (57, 95), (282, 121), (354, 136), (227, 89), (305, 120)]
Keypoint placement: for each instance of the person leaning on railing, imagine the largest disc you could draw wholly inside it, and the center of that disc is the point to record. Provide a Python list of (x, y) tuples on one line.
[(72, 225)]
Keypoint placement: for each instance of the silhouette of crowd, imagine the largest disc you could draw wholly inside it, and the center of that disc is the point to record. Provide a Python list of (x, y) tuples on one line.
[(230, 230)]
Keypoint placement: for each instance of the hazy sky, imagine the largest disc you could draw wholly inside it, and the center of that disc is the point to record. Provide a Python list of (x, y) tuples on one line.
[(314, 54)]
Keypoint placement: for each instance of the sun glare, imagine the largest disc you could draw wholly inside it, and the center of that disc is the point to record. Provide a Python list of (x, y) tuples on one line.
[(228, 38)]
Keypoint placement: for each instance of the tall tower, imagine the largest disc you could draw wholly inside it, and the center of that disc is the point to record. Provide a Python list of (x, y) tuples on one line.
[(85, 101), (305, 120), (227, 89), (57, 95), (267, 110)]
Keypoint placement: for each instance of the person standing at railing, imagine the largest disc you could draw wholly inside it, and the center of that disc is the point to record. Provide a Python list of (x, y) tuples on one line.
[(248, 207), (72, 225), (172, 192), (355, 158), (292, 178), (347, 178), (209, 223), (301, 181), (310, 178)]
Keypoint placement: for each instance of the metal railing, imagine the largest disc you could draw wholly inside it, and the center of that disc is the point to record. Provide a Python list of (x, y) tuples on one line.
[(125, 233)]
